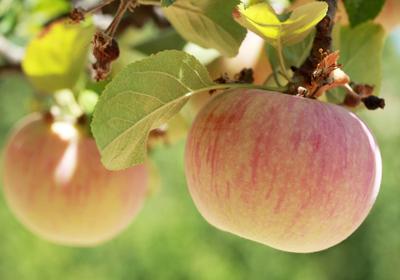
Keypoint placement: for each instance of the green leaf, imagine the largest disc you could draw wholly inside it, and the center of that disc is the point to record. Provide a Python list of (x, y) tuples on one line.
[(87, 101), (166, 3), (167, 39), (16, 98), (51, 8), (56, 58), (361, 55), (138, 43), (262, 19), (360, 11), (294, 55), (143, 96), (8, 21), (207, 23)]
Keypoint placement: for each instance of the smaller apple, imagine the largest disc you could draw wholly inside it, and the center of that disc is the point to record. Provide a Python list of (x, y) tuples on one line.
[(56, 185)]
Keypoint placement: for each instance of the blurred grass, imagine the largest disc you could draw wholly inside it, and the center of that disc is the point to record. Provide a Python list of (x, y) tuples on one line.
[(170, 240)]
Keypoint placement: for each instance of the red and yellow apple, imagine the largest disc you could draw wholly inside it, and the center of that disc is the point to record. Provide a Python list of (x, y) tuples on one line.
[(56, 185), (293, 173)]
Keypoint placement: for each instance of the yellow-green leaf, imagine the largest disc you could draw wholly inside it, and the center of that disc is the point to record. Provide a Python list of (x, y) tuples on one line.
[(262, 19), (55, 59), (207, 23)]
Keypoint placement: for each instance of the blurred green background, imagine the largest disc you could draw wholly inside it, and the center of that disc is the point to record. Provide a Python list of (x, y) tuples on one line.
[(170, 240)]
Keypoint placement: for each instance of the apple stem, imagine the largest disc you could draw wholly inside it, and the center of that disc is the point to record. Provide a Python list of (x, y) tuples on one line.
[(284, 71), (227, 86), (78, 14), (123, 7), (99, 6)]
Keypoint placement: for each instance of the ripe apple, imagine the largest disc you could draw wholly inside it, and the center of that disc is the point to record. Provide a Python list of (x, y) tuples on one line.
[(293, 173), (56, 185)]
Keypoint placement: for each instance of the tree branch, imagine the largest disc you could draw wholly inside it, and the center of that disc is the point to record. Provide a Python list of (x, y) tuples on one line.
[(321, 72)]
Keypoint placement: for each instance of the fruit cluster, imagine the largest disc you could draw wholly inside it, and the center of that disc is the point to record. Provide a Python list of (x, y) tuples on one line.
[(293, 173), (264, 159)]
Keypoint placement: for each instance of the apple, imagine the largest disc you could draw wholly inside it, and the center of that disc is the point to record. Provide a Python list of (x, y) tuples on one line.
[(293, 173), (56, 185)]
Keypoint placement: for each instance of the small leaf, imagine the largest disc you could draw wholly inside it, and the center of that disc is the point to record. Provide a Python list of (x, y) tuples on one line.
[(207, 23), (141, 97), (360, 11), (361, 55), (262, 19), (56, 58)]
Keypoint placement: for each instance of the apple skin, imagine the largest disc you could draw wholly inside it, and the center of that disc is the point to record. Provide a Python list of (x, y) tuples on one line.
[(56, 185), (292, 173)]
